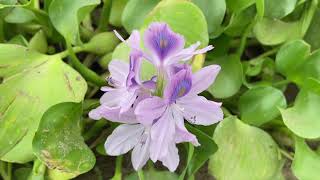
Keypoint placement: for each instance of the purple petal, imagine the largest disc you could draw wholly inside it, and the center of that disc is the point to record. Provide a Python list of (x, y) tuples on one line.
[(162, 134), (202, 79), (199, 110), (187, 53), (171, 160), (140, 154), (179, 85), (150, 109), (182, 134), (113, 98), (119, 71), (112, 114), (134, 72), (134, 40), (123, 139), (128, 99), (162, 42)]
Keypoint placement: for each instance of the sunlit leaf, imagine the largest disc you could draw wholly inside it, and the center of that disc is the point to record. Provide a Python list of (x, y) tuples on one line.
[(244, 152), (32, 83), (66, 150), (303, 117), (260, 105), (278, 9), (306, 163)]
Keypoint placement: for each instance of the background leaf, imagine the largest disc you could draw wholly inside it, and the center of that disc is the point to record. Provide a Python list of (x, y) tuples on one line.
[(235, 158), (260, 105), (66, 150), (278, 9), (32, 83)]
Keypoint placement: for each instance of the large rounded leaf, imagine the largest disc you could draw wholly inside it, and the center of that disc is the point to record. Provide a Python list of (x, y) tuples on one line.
[(260, 105), (306, 163), (65, 16), (229, 79), (278, 9), (214, 11), (179, 15), (303, 117), (312, 36), (58, 141), (281, 31), (32, 83), (135, 12), (244, 152)]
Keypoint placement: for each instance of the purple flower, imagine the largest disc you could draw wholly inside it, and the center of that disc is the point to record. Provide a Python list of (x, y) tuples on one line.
[(180, 101), (165, 47)]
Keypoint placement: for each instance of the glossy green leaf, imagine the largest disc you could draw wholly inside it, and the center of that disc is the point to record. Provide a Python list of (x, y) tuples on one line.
[(312, 36), (244, 152), (291, 56), (20, 15), (39, 42), (303, 117), (281, 31), (135, 12), (278, 9), (32, 83), (214, 11), (306, 162), (229, 79), (177, 14), (116, 12), (66, 151), (260, 105), (65, 16), (203, 152), (239, 5)]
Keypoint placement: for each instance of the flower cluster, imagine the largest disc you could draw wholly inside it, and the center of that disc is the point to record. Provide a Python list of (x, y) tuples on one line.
[(153, 111)]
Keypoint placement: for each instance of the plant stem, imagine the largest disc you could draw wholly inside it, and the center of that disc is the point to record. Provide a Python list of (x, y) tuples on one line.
[(118, 173), (286, 154), (9, 170), (190, 155), (283, 82), (65, 53), (3, 172), (97, 127), (243, 40), (87, 73), (140, 175), (266, 54), (104, 17)]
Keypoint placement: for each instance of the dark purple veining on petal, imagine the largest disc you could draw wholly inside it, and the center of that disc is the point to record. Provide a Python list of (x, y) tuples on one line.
[(162, 40), (181, 89)]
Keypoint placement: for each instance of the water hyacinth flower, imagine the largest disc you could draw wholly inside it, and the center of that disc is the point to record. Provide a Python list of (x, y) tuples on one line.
[(154, 122)]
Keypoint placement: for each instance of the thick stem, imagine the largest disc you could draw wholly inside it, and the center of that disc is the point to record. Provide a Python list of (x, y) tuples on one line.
[(118, 173), (104, 17), (140, 174), (87, 73)]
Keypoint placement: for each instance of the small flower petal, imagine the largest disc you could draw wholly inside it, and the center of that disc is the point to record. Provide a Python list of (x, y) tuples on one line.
[(162, 42), (199, 110), (123, 139), (119, 71), (162, 134), (202, 79), (171, 160), (112, 114), (150, 109), (140, 154)]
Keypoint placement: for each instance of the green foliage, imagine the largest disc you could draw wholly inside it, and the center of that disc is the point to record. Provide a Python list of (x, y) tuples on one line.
[(235, 141), (66, 150)]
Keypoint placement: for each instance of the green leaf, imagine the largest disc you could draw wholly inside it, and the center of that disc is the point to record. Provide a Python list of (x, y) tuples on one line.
[(20, 15), (291, 56), (281, 31), (303, 117), (306, 163), (278, 9), (239, 5), (18, 40), (66, 151), (203, 152), (39, 42), (177, 14), (214, 11), (244, 152), (135, 12), (229, 79), (65, 16), (116, 12), (260, 105), (312, 36), (32, 83), (22, 173)]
